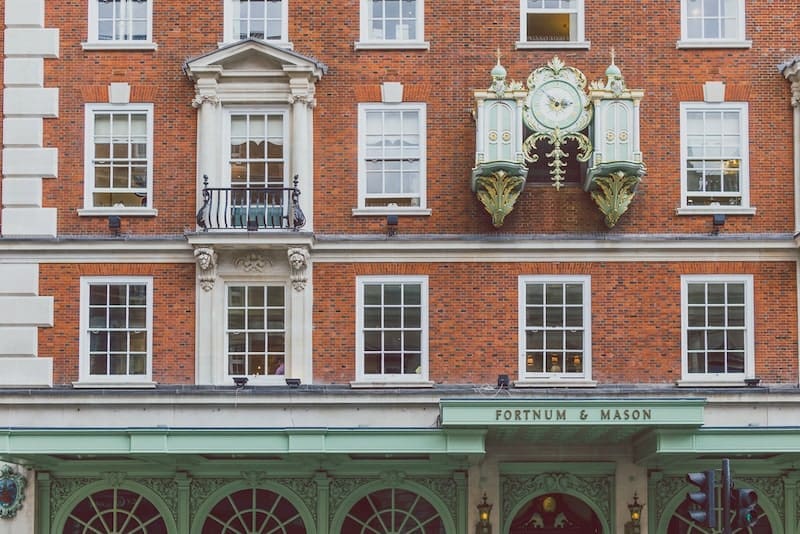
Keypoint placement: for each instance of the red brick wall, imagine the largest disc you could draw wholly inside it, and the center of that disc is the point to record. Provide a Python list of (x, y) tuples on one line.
[(173, 317), (636, 314), (461, 54)]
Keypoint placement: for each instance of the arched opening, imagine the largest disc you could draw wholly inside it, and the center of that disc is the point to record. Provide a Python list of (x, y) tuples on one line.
[(253, 511), (115, 511), (556, 513), (393, 511)]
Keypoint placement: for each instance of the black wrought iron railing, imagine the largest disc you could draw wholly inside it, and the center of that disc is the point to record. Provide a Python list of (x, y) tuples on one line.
[(250, 208)]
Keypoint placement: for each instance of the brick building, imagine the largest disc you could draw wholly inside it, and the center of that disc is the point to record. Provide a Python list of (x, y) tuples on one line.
[(354, 267)]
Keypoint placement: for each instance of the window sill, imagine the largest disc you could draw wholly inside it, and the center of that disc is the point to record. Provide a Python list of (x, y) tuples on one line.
[(526, 45), (713, 43), (120, 45), (711, 210), (711, 383), (123, 212), (288, 45), (87, 384), (554, 383), (359, 212), (388, 384), (390, 45)]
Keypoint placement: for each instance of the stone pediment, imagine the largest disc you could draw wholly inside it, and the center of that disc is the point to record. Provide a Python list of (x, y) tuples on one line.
[(253, 57)]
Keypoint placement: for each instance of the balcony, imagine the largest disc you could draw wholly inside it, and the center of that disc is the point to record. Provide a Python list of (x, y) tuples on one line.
[(250, 208)]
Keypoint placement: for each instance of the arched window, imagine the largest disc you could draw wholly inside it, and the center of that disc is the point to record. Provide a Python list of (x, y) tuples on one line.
[(253, 511), (115, 511), (393, 511)]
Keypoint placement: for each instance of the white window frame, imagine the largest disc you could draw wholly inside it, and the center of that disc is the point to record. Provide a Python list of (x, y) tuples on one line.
[(85, 378), (88, 158), (579, 41), (229, 36), (418, 379), (738, 41), (369, 41), (363, 209), (743, 208), (95, 43), (266, 379), (230, 111), (693, 379), (556, 378)]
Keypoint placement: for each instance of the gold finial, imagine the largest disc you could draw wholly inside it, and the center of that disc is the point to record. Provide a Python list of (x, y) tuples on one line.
[(613, 55), (498, 55)]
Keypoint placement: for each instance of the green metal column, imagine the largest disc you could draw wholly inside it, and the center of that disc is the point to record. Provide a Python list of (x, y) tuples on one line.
[(790, 482), (323, 502), (42, 518), (183, 482), (461, 501)]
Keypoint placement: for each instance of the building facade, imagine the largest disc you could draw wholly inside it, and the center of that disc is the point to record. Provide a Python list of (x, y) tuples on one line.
[(353, 267)]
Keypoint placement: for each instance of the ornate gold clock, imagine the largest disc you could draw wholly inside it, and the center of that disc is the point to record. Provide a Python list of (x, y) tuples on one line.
[(557, 109)]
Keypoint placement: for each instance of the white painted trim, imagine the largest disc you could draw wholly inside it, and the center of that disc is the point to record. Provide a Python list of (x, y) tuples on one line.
[(711, 42), (550, 378), (742, 109), (385, 210), (365, 41), (367, 107), (84, 378), (126, 212), (120, 45), (94, 23), (721, 43), (90, 109), (749, 330), (391, 45), (554, 45), (229, 37), (580, 16), (415, 380)]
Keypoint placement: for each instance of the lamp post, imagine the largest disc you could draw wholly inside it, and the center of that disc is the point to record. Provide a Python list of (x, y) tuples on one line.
[(484, 510)]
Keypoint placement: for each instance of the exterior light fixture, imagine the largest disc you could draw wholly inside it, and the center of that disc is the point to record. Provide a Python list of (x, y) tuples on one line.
[(391, 225), (719, 222), (503, 382), (252, 224), (114, 224), (752, 382), (484, 526), (293, 382), (240, 381), (635, 509)]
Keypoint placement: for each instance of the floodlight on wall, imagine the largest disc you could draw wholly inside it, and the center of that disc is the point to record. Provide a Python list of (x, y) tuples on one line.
[(293, 383), (240, 381), (114, 224), (391, 225), (503, 381)]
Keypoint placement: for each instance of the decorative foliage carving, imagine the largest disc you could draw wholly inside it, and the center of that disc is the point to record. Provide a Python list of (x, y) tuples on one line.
[(206, 258), (252, 263), (614, 194), (298, 261), (498, 193), (201, 488), (665, 489), (63, 488), (12, 491), (594, 489), (306, 489), (114, 478), (341, 488), (444, 488), (557, 156), (199, 100), (167, 489)]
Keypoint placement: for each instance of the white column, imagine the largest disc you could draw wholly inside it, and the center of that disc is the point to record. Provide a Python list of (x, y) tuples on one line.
[(302, 148), (207, 103)]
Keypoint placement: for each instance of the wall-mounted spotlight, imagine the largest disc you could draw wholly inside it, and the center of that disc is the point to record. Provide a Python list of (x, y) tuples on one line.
[(293, 383), (114, 224), (391, 225), (503, 381), (719, 222), (240, 381)]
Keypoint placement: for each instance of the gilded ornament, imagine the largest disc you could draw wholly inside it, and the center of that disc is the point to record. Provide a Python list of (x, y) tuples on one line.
[(498, 193), (614, 194), (12, 491)]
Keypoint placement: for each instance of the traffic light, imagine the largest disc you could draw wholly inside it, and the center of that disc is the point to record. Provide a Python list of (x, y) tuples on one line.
[(704, 512), (744, 502)]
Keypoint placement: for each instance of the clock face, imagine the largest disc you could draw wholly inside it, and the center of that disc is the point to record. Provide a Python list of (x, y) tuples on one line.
[(556, 104)]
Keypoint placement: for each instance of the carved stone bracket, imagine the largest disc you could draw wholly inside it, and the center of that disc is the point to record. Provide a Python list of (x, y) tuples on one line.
[(199, 100), (614, 193), (298, 261), (307, 99), (206, 258), (498, 192)]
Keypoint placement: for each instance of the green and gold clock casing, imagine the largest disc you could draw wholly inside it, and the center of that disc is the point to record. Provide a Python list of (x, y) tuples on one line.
[(557, 99)]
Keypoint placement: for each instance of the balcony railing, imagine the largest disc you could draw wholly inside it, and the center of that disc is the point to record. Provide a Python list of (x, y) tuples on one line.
[(250, 208)]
